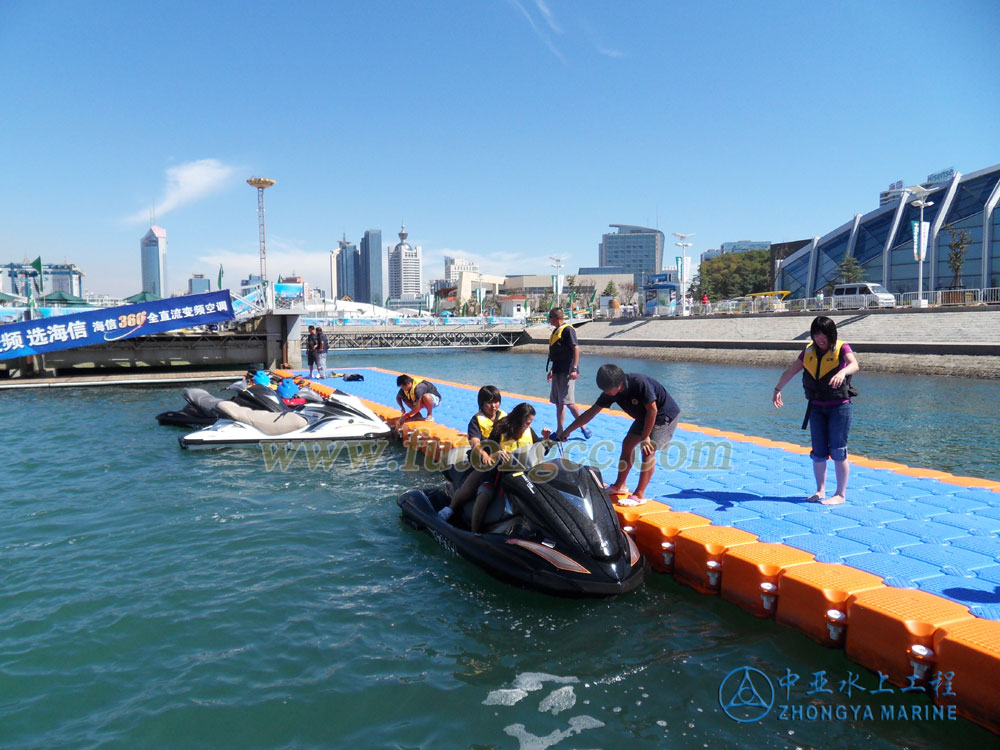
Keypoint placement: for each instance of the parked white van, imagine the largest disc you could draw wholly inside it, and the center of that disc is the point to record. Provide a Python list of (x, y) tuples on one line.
[(862, 294)]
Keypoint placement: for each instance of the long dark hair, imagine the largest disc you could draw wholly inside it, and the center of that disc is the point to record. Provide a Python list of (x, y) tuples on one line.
[(511, 426)]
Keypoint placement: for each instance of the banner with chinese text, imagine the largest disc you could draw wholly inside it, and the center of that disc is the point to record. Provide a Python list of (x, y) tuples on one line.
[(90, 327)]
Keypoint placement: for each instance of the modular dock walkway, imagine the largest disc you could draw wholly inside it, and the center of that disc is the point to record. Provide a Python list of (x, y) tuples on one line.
[(905, 576)]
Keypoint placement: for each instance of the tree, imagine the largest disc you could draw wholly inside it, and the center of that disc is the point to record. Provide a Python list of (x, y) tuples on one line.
[(628, 291), (957, 249), (732, 275), (850, 271), (610, 290)]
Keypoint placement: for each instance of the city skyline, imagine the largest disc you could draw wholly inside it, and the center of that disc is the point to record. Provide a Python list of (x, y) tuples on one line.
[(500, 132)]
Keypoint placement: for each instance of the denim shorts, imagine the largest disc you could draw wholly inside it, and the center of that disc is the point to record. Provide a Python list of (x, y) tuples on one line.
[(829, 426)]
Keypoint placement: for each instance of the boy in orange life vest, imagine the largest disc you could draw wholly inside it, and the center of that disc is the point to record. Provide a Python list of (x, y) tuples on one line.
[(564, 354), (826, 366), (416, 394)]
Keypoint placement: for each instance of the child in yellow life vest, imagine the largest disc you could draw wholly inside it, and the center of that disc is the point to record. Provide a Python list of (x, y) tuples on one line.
[(826, 366), (511, 436), (414, 395)]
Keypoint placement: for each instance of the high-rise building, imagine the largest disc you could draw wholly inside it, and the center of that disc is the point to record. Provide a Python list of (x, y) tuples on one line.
[(454, 266), (636, 250), (198, 284), (404, 269), (153, 249), (370, 284), (348, 267)]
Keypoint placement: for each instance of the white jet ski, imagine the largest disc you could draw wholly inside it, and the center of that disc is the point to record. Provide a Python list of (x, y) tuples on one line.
[(340, 416)]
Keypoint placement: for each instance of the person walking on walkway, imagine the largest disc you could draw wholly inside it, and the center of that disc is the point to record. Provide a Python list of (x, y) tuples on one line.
[(827, 365)]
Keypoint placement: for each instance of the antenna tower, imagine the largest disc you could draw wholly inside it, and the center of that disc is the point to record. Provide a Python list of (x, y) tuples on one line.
[(262, 184)]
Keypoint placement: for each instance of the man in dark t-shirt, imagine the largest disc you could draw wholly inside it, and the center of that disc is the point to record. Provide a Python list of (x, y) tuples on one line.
[(654, 413), (311, 349)]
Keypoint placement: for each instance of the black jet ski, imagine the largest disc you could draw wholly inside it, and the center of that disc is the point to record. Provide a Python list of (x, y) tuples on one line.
[(559, 537), (200, 411)]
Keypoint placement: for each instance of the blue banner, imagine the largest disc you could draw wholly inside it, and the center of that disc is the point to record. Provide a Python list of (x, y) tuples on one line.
[(101, 326)]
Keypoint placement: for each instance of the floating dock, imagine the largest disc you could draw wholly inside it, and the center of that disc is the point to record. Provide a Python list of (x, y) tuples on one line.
[(905, 576)]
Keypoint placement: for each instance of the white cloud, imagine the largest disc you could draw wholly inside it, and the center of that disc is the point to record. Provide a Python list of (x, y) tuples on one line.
[(540, 32), (187, 183)]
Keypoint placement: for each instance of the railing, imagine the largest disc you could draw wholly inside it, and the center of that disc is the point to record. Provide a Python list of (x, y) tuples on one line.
[(425, 323), (935, 298)]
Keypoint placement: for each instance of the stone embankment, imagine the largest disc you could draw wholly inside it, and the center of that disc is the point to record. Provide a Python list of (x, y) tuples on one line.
[(961, 343)]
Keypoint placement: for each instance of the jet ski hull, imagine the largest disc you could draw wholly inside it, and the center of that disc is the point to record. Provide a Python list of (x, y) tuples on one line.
[(526, 563), (228, 434)]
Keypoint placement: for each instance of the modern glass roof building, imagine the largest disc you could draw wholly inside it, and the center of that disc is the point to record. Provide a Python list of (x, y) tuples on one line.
[(882, 240)]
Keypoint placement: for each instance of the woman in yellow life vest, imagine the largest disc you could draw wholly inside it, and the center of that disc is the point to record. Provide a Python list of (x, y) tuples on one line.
[(827, 365), (513, 435)]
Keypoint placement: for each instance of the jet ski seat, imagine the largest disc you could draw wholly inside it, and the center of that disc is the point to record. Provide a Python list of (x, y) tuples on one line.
[(266, 421)]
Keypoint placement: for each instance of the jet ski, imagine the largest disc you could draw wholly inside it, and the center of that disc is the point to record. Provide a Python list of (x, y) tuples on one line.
[(559, 537), (200, 411), (259, 415)]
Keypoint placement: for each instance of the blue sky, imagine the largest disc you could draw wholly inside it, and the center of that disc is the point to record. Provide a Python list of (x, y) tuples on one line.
[(503, 131)]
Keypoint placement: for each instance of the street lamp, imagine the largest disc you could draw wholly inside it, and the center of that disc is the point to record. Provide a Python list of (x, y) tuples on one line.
[(681, 269), (333, 276), (920, 239), (557, 263)]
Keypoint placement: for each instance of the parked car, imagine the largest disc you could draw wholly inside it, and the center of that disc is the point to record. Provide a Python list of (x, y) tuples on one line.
[(860, 295)]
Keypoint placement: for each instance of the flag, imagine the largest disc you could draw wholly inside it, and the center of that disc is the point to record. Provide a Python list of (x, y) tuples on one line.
[(386, 304), (279, 279), (37, 265), (220, 276), (465, 308), (593, 297)]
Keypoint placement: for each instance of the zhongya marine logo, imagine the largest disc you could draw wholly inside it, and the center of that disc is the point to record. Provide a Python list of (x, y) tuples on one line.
[(746, 694)]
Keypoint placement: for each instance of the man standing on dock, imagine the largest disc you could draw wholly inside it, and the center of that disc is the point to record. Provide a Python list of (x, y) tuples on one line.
[(311, 349), (322, 347), (564, 356)]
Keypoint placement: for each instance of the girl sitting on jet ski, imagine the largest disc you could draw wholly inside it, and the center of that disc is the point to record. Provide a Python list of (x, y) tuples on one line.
[(511, 439)]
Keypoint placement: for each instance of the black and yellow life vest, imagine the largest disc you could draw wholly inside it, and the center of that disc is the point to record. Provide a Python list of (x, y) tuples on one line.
[(486, 424), (557, 334), (559, 348), (817, 372), (510, 444), (410, 394)]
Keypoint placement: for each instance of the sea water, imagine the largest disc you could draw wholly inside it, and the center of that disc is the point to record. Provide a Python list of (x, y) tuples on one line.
[(156, 597)]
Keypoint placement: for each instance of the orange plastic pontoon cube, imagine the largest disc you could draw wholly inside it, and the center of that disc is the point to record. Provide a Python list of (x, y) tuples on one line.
[(968, 663), (656, 535), (752, 572), (885, 625), (699, 553), (807, 592)]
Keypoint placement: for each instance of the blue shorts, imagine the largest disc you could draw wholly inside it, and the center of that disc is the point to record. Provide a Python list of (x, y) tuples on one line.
[(829, 426)]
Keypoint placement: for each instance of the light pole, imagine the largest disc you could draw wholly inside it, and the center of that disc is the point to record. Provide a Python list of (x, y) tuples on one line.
[(920, 239), (682, 268), (333, 276), (557, 263)]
